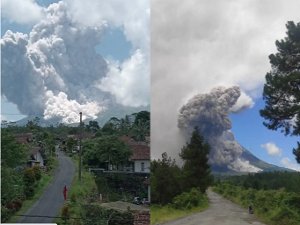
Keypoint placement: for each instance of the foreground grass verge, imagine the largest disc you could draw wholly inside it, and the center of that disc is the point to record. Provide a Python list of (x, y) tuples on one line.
[(161, 214), (43, 183)]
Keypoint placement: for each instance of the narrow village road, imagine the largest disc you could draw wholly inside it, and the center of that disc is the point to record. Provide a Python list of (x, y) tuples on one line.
[(220, 212), (52, 199)]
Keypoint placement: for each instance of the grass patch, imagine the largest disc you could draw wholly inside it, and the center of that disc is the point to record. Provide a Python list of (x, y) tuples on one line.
[(39, 189), (161, 214), (78, 194)]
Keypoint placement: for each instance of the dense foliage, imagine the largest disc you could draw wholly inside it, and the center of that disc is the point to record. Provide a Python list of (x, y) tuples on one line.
[(268, 181), (277, 207), (97, 215), (105, 150), (196, 171), (282, 89), (168, 180), (18, 182), (165, 180), (115, 186)]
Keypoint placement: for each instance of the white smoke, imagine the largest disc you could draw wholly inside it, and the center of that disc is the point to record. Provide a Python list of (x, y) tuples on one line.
[(55, 71), (209, 112), (18, 11)]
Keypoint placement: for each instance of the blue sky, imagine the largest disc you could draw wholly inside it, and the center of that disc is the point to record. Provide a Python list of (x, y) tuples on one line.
[(246, 126), (250, 132)]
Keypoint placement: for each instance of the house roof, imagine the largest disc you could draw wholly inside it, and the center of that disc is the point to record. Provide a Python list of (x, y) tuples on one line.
[(24, 138), (140, 150), (34, 150)]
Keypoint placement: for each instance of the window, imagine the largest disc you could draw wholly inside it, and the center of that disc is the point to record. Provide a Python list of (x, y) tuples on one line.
[(142, 166)]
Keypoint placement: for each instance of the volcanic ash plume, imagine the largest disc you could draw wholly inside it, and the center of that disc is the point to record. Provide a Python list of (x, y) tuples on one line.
[(209, 112)]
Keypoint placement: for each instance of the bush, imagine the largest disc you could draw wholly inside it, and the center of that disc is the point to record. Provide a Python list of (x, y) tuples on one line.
[(29, 177), (29, 191), (65, 213), (188, 200), (5, 214), (37, 172), (278, 207), (106, 216)]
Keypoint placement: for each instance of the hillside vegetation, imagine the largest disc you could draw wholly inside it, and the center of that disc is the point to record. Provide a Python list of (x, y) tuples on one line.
[(275, 197)]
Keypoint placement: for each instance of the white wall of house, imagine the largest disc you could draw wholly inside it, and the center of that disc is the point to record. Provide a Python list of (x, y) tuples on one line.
[(39, 158), (142, 166)]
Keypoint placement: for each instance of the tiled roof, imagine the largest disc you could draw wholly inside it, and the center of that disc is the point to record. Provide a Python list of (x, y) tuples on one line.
[(140, 150), (24, 138)]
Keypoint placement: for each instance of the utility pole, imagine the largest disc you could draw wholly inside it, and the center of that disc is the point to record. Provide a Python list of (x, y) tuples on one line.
[(80, 148)]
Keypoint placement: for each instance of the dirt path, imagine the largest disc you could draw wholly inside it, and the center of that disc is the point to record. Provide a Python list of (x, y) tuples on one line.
[(220, 212), (52, 199)]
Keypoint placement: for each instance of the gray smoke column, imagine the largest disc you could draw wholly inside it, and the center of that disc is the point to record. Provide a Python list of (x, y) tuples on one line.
[(56, 72), (210, 113)]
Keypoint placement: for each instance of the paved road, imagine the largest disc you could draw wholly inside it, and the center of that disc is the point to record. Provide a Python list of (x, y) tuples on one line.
[(52, 199), (220, 212)]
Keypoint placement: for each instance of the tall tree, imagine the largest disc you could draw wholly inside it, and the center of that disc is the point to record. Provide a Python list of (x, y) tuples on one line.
[(165, 180), (13, 154), (196, 170), (282, 89)]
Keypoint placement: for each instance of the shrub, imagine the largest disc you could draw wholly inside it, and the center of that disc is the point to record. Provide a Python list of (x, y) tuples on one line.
[(37, 172), (29, 177), (190, 199), (5, 214), (65, 213)]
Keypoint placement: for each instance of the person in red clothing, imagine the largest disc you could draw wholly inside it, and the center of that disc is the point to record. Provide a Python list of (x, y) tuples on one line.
[(65, 192)]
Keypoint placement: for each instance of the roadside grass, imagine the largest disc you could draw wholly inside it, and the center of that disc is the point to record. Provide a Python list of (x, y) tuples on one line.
[(273, 207), (161, 214), (39, 189), (78, 194)]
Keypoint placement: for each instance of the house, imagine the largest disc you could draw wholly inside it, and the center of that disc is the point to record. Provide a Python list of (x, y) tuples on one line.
[(139, 161), (24, 138), (35, 157)]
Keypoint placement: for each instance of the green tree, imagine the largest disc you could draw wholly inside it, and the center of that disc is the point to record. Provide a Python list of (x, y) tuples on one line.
[(71, 143), (142, 116), (93, 126), (296, 152), (165, 180), (12, 153), (196, 170), (140, 130), (105, 150), (282, 88)]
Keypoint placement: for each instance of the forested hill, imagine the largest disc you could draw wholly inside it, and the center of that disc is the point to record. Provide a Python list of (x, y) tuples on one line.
[(268, 181)]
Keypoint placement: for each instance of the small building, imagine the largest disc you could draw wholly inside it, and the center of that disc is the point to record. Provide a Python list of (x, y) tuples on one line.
[(36, 158), (139, 161), (24, 138)]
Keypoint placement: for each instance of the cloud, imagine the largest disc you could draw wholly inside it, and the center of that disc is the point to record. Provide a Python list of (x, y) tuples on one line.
[(22, 11), (56, 63), (131, 75), (272, 149), (132, 17), (286, 162), (201, 44)]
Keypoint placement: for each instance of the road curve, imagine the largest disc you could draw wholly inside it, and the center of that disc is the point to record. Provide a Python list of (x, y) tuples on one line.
[(52, 199), (220, 212)]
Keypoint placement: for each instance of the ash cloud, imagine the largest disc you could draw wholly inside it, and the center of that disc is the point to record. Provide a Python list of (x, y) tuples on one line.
[(210, 113), (55, 71)]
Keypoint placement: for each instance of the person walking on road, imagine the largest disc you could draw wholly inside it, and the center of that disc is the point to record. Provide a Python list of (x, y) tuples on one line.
[(65, 192)]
